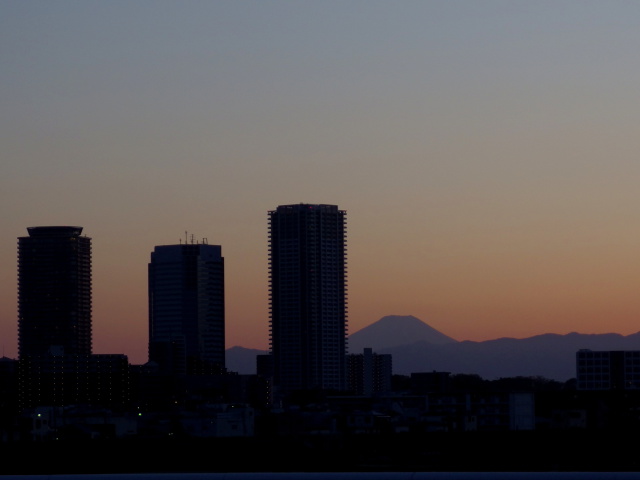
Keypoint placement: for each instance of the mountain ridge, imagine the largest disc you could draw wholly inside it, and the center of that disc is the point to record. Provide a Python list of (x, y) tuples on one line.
[(548, 355)]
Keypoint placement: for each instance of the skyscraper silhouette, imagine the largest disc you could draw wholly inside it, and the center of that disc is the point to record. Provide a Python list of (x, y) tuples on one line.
[(56, 366), (187, 308), (307, 269), (54, 291)]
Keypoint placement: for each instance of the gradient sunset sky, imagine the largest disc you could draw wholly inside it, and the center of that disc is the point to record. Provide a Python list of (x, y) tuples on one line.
[(487, 153)]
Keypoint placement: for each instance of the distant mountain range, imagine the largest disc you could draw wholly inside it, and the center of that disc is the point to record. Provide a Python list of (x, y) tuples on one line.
[(417, 347)]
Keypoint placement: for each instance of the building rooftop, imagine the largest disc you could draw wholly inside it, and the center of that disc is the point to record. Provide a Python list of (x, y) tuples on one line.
[(50, 231)]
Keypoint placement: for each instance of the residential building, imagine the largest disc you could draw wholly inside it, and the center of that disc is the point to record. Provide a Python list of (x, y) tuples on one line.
[(187, 308), (78, 423), (608, 370), (56, 366), (54, 291), (72, 379), (307, 271), (369, 372)]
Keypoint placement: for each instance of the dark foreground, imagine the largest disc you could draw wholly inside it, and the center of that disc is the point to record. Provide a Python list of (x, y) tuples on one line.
[(546, 451)]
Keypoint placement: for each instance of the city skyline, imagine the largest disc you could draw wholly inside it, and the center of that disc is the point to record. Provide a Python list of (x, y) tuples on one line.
[(485, 151)]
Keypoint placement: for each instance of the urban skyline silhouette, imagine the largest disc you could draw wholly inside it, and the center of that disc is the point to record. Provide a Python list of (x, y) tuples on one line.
[(486, 153)]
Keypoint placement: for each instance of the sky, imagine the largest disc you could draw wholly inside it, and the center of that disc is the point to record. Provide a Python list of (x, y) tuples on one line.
[(486, 153)]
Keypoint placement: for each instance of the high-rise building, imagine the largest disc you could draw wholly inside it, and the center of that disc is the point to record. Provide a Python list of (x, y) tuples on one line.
[(187, 308), (307, 270), (56, 366), (54, 291)]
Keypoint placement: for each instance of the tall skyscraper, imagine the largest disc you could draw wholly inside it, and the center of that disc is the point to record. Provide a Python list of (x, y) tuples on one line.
[(56, 366), (187, 308), (54, 291), (307, 269)]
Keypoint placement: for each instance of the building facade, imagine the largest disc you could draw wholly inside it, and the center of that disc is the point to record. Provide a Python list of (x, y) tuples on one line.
[(71, 379), (369, 373), (307, 272), (608, 370), (187, 308), (54, 291)]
